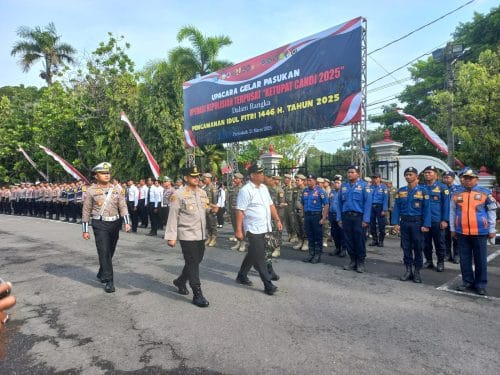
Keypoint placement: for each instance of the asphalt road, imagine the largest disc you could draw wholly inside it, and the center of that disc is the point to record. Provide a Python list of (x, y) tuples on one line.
[(323, 320)]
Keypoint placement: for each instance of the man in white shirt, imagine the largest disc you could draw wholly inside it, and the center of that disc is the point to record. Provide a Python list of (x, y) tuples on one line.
[(255, 209), (132, 196), (152, 204)]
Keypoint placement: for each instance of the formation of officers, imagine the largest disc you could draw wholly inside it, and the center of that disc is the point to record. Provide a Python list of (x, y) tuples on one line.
[(437, 220)]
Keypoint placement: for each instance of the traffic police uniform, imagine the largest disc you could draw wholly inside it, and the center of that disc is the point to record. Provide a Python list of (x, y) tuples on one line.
[(380, 203), (439, 196), (473, 218), (104, 207), (412, 212), (354, 209), (313, 201), (187, 223)]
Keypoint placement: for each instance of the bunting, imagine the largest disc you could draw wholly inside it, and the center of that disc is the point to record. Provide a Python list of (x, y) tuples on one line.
[(429, 134), (155, 168), (66, 166), (21, 150)]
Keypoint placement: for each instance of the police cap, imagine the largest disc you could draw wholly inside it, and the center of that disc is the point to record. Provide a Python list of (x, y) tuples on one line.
[(167, 179), (376, 175), (300, 176), (207, 175), (256, 167), (102, 167), (192, 171), (320, 179), (449, 173), (355, 167), (277, 178), (337, 177), (238, 175), (431, 168), (287, 175), (410, 170), (468, 172)]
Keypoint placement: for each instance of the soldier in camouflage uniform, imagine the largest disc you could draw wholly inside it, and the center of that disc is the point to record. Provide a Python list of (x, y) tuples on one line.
[(274, 193), (288, 214), (233, 197), (212, 194), (298, 209), (324, 183), (280, 204)]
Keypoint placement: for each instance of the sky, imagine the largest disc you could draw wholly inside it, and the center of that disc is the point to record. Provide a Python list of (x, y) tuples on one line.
[(255, 27)]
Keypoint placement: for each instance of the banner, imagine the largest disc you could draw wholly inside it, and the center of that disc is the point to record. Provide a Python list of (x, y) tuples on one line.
[(429, 134), (21, 150), (66, 166), (155, 168), (313, 83)]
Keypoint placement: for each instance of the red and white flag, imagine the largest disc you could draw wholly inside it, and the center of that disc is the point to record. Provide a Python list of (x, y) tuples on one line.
[(21, 150), (155, 168), (429, 134), (66, 166)]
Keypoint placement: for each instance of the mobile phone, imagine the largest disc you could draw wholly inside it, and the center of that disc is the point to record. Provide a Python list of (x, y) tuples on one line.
[(5, 293)]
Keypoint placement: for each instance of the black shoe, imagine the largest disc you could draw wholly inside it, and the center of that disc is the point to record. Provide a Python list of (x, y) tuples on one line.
[(270, 290), (316, 259), (361, 267), (243, 280), (343, 253), (429, 264), (181, 287), (109, 287), (466, 287), (440, 267), (274, 276), (373, 243), (100, 278), (198, 298), (381, 243), (408, 275), (152, 234), (456, 259), (351, 266), (308, 259), (481, 291), (416, 276)]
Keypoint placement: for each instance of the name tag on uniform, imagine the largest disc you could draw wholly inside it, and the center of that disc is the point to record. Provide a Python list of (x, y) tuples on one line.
[(344, 188), (306, 194), (460, 198), (403, 194), (358, 187), (477, 197)]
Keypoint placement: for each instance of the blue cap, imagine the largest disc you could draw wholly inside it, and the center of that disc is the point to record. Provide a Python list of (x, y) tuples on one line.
[(410, 170)]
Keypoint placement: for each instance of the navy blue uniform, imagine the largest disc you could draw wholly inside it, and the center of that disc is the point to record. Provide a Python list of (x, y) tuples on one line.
[(336, 231), (313, 201), (412, 212), (451, 243), (380, 203), (439, 196), (355, 203)]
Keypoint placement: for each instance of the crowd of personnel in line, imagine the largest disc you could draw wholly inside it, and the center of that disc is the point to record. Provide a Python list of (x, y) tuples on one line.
[(314, 210)]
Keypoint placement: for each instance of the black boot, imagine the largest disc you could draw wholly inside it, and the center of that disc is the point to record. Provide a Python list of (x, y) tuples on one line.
[(440, 266), (109, 287), (408, 275), (343, 253), (269, 288), (416, 276), (243, 280), (381, 243), (181, 286), (428, 264), (361, 266), (274, 276), (351, 265), (198, 298)]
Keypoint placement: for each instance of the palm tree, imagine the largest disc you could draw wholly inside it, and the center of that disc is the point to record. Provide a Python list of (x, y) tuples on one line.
[(202, 57), (42, 44)]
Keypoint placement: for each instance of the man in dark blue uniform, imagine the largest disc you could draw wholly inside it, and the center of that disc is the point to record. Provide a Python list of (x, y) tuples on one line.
[(315, 203), (439, 196), (353, 214), (337, 232), (452, 255), (412, 217), (380, 205)]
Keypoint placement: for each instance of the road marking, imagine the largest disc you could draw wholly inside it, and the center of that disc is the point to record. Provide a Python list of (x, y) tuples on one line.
[(446, 286)]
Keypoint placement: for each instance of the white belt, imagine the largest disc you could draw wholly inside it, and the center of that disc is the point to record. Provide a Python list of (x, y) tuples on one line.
[(106, 218)]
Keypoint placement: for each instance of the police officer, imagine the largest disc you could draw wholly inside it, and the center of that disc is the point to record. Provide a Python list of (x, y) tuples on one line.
[(232, 200), (71, 191), (187, 223), (439, 196), (315, 203), (380, 205), (298, 209), (412, 217), (105, 206), (288, 214), (212, 194), (153, 206), (353, 213), (336, 231), (472, 221), (452, 255), (132, 198)]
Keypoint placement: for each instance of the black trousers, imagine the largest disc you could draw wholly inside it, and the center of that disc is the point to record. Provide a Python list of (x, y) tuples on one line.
[(154, 217), (193, 252), (142, 211), (436, 235), (106, 237), (164, 216), (256, 257), (134, 215), (220, 215)]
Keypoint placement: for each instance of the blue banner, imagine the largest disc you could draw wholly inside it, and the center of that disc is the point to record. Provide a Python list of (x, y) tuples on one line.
[(313, 83)]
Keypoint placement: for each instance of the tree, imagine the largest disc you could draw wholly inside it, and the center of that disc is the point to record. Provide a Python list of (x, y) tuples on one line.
[(201, 58), (45, 45)]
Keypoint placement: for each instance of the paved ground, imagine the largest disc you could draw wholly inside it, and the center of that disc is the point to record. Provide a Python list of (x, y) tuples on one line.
[(323, 320)]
